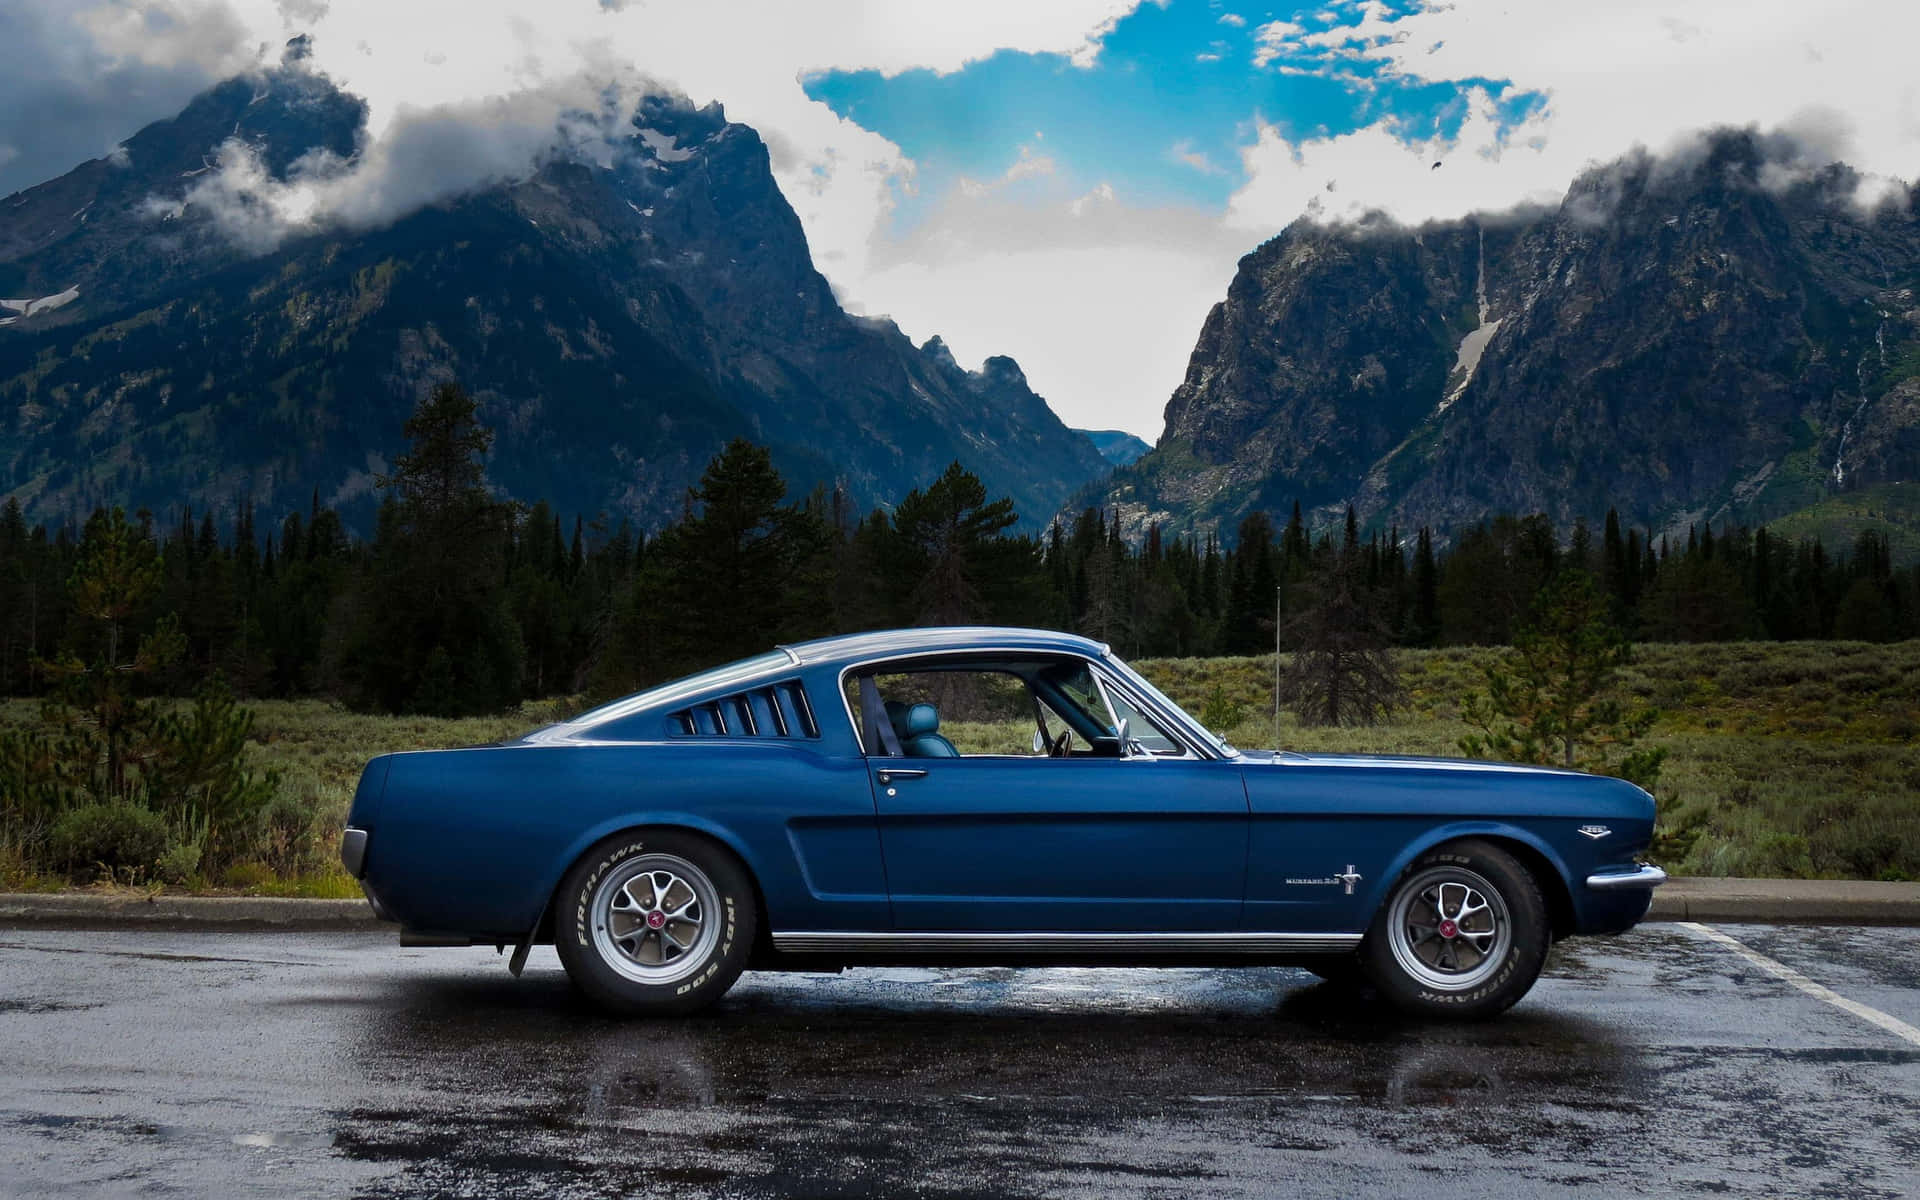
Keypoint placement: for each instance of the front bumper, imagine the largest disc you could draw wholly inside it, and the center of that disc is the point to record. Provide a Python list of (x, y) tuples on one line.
[(1643, 875), (1615, 900)]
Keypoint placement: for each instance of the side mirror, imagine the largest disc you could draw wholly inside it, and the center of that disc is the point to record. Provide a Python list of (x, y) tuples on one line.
[(1125, 738), (1039, 743)]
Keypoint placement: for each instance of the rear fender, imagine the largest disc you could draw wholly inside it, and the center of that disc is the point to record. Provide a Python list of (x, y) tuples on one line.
[(556, 870)]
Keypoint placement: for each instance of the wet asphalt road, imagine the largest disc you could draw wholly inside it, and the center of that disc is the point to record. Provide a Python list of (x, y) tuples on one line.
[(1662, 1063)]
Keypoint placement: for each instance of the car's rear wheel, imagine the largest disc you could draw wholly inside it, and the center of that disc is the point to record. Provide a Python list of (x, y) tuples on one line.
[(1463, 935), (655, 923)]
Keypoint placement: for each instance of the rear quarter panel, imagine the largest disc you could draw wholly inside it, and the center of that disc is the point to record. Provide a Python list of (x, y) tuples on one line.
[(475, 841)]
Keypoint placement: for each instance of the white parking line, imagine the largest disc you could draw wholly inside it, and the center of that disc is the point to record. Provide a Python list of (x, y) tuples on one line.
[(1780, 970)]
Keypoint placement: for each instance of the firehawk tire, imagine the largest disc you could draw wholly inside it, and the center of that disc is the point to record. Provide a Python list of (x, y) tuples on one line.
[(655, 923), (1462, 936)]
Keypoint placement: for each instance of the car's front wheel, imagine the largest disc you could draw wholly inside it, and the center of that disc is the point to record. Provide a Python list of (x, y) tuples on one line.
[(1463, 935), (655, 923)]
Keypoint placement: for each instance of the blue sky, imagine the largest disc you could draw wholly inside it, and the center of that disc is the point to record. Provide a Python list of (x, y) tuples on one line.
[(1165, 110)]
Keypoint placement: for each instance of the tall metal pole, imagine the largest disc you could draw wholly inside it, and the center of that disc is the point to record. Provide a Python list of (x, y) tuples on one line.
[(1277, 594)]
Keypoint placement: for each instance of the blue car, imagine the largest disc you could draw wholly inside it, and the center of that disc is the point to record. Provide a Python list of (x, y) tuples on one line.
[(982, 796)]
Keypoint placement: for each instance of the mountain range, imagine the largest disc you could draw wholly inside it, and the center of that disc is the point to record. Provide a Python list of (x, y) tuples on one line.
[(1117, 446), (620, 315), (1723, 333)]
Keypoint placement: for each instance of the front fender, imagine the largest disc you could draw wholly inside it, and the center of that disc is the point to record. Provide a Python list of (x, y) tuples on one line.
[(1378, 891)]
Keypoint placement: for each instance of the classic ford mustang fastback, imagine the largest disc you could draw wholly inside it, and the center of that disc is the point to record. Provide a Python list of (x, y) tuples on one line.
[(975, 796)]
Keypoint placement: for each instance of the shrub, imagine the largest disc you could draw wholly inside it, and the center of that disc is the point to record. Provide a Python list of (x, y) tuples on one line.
[(1220, 711), (180, 864), (120, 841), (1783, 855), (199, 773), (248, 876), (287, 839)]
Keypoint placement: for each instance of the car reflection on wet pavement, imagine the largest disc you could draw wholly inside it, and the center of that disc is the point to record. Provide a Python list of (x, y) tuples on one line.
[(295, 1065)]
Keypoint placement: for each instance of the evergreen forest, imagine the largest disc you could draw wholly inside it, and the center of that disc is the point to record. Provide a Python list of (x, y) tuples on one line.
[(465, 602)]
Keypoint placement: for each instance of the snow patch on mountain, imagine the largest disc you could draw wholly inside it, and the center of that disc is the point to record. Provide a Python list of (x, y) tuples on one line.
[(665, 146), (28, 308)]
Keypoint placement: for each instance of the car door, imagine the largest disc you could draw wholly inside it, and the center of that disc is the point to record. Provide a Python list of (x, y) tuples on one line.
[(1085, 842)]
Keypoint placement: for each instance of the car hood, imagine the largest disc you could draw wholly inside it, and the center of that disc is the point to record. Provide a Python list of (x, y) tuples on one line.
[(1402, 762)]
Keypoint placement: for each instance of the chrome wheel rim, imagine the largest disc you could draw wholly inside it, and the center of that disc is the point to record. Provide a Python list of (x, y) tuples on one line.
[(1449, 928), (655, 918)]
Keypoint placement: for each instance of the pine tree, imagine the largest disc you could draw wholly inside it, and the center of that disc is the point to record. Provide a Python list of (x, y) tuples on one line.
[(949, 531), (1550, 699), (95, 690), (1426, 600), (436, 633), (1253, 589), (1343, 670)]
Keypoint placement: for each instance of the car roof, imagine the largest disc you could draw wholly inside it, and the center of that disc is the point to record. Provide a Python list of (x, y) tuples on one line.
[(846, 650), (855, 647)]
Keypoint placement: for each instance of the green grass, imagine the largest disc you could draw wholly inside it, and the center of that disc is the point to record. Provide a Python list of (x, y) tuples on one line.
[(1795, 759), (319, 749)]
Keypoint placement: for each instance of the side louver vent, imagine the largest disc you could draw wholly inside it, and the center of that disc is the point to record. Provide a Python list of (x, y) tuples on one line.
[(776, 710)]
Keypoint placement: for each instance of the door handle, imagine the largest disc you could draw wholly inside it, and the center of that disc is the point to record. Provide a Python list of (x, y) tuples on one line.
[(888, 774)]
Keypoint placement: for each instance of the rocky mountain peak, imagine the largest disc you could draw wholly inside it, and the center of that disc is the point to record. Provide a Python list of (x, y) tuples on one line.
[(621, 311), (1723, 332)]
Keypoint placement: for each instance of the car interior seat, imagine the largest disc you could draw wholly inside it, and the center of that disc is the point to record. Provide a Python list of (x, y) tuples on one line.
[(919, 730)]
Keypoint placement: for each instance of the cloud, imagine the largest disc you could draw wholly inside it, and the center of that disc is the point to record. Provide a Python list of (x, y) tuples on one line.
[(1373, 169), (76, 76), (1183, 152), (199, 35), (1233, 19), (1028, 164), (1274, 39), (424, 156), (1087, 293), (1615, 77)]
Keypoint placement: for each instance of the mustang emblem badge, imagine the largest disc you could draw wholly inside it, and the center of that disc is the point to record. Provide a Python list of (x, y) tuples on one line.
[(1349, 877), (1596, 832)]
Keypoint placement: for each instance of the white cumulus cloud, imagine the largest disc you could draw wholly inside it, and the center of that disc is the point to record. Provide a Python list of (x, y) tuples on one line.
[(1648, 73)]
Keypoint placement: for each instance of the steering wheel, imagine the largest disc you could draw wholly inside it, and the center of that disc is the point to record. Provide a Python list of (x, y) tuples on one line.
[(1060, 747)]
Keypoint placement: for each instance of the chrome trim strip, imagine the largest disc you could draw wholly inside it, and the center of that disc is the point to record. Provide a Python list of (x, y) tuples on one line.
[(1646, 875), (933, 942)]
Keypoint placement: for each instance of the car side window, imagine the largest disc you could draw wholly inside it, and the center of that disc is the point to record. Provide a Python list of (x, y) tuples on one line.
[(1049, 708), (954, 713), (1100, 708)]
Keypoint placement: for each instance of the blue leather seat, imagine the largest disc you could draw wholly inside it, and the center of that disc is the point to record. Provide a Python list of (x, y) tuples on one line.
[(920, 734)]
